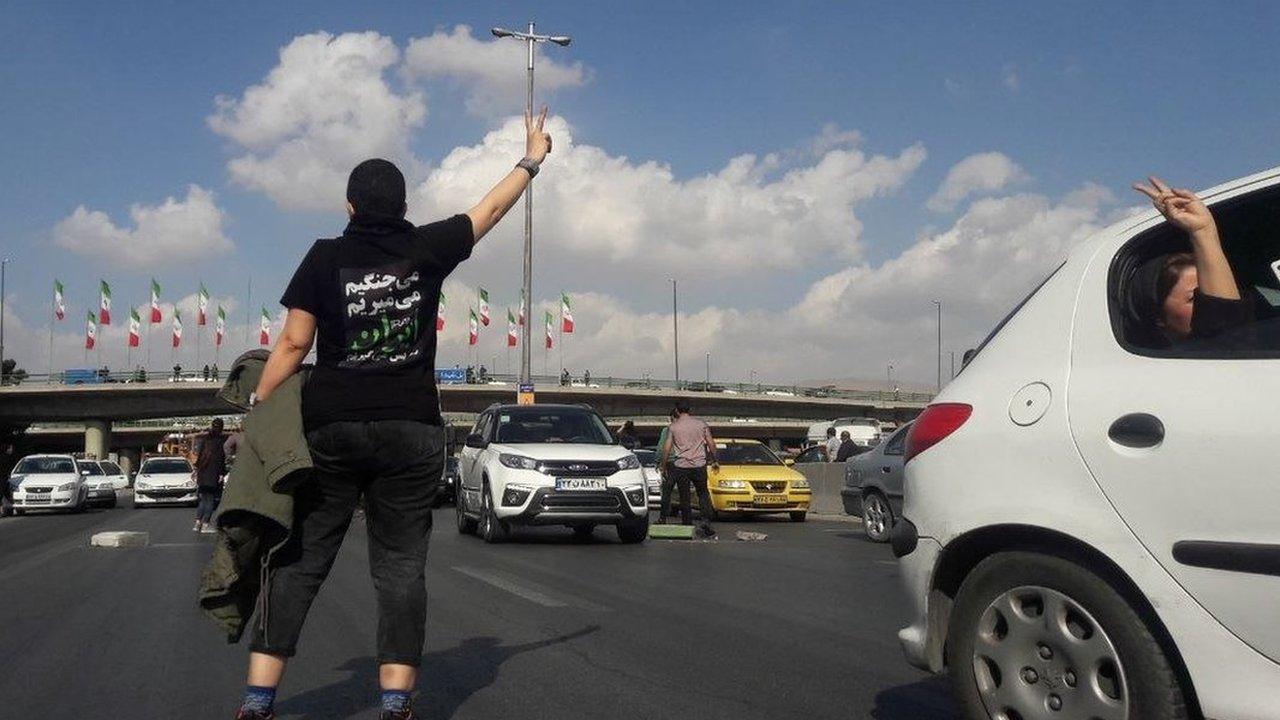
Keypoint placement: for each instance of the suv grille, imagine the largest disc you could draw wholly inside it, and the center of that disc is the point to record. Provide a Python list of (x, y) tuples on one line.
[(580, 502), (769, 486), (579, 468)]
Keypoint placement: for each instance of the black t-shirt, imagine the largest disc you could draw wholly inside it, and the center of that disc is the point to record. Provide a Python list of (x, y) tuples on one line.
[(374, 292)]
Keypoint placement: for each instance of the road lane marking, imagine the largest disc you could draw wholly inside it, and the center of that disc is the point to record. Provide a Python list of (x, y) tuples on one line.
[(515, 589)]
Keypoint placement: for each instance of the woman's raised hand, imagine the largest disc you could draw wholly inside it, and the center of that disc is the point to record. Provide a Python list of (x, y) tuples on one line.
[(1180, 207), (537, 143)]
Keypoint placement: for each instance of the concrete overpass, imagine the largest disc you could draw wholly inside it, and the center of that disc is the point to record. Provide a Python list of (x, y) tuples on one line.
[(98, 407)]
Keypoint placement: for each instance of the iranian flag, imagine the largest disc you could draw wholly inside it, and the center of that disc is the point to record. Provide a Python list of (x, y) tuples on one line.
[(59, 304), (440, 314), (550, 340), (135, 328), (475, 328), (91, 332), (104, 304), (202, 306), (264, 328), (566, 313), (177, 327), (484, 307), (155, 302), (220, 327), (512, 332)]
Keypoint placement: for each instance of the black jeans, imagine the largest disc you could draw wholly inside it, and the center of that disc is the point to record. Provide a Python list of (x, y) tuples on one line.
[(684, 478), (396, 466)]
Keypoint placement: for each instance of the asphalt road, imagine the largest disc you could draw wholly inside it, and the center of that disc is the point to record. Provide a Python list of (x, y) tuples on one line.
[(800, 625)]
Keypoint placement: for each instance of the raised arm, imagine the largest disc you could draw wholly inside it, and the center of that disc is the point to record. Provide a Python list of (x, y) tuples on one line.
[(294, 344), (499, 200), (1189, 213)]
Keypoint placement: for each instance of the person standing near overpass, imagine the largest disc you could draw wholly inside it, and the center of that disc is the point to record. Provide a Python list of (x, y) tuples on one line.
[(833, 444), (211, 465), (371, 412), (691, 448)]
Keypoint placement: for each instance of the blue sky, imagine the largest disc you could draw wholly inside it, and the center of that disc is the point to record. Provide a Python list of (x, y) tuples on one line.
[(107, 106)]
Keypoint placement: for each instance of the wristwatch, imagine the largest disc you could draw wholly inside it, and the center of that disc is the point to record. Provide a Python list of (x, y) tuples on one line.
[(530, 166)]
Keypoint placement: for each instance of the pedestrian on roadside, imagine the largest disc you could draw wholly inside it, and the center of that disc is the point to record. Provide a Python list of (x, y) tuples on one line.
[(214, 371), (177, 372), (211, 465), (565, 378), (691, 448), (586, 378), (205, 374), (371, 414), (833, 444), (848, 448), (484, 373), (627, 435)]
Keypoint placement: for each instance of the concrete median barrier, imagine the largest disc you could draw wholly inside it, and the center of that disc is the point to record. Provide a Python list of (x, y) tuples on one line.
[(826, 480), (120, 539)]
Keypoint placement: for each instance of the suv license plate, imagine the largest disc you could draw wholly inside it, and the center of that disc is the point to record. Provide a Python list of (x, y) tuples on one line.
[(771, 499), (576, 484)]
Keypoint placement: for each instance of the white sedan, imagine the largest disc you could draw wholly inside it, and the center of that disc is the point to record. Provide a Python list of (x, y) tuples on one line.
[(48, 482), (117, 477), (165, 481)]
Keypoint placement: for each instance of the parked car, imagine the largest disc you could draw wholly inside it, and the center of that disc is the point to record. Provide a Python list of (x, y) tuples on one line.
[(1090, 517), (752, 480), (101, 487), (866, 432), (873, 486), (165, 481), (652, 478), (549, 465), (48, 482)]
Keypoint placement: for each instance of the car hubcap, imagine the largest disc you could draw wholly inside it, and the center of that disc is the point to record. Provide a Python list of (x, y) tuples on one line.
[(875, 515), (1039, 654)]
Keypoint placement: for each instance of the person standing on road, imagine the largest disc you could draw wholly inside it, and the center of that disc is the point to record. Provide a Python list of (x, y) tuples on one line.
[(627, 435), (833, 444), (371, 411), (691, 448), (211, 465), (848, 448)]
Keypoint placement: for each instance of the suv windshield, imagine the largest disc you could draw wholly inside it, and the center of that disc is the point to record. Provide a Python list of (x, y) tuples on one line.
[(167, 465), (745, 454), (41, 465), (91, 468), (545, 425)]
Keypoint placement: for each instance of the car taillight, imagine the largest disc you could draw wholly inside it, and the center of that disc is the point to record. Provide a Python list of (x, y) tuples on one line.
[(934, 425)]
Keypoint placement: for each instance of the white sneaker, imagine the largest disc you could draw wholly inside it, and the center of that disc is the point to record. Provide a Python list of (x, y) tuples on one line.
[(208, 530), (196, 527)]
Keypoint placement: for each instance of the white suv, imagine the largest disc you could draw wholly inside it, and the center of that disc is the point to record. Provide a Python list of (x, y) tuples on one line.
[(549, 465), (1090, 527)]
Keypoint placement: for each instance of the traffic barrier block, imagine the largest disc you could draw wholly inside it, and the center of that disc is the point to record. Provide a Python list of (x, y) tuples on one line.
[(671, 532), (120, 538), (747, 536)]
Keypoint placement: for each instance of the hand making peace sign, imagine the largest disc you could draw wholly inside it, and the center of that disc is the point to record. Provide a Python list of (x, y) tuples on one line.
[(538, 143), (1180, 207)]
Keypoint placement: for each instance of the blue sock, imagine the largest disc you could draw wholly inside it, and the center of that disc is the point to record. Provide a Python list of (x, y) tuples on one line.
[(395, 700), (259, 698)]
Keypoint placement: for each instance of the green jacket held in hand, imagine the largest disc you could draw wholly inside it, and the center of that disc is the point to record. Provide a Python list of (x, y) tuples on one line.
[(256, 515)]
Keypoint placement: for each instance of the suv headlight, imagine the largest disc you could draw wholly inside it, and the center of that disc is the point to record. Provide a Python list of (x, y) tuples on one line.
[(519, 462), (66, 486), (630, 462), (190, 484), (732, 484), (140, 484)]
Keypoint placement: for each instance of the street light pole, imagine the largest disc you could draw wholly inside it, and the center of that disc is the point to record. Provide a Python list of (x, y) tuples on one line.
[(675, 325), (526, 293), (939, 304), (3, 264), (708, 385)]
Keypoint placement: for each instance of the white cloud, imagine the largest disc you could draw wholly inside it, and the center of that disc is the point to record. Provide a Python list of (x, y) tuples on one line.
[(980, 173), (326, 106), (174, 232), (753, 216), (492, 71)]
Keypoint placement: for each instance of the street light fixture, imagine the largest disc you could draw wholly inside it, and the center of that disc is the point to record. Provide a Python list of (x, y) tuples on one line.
[(3, 264), (531, 39), (675, 327)]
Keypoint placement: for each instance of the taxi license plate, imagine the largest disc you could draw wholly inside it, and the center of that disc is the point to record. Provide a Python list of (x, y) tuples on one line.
[(771, 499), (579, 484), (39, 498)]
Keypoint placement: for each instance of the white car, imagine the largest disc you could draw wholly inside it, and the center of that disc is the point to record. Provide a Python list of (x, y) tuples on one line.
[(1090, 525), (865, 432), (48, 482), (549, 465), (165, 481), (652, 477), (101, 487), (117, 477)]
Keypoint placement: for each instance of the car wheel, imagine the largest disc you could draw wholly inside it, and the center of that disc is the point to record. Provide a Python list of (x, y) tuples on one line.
[(1037, 636), (798, 516), (583, 532), (466, 525), (492, 529), (877, 517), (634, 531)]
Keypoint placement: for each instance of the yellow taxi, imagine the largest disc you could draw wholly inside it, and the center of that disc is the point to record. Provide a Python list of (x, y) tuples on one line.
[(752, 479)]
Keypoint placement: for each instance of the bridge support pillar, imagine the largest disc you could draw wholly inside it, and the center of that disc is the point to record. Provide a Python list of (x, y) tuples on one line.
[(97, 438)]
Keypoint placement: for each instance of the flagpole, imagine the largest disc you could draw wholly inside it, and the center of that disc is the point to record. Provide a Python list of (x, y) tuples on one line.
[(53, 314), (562, 338)]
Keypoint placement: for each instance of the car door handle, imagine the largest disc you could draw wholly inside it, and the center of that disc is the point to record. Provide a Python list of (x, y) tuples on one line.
[(1137, 430)]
